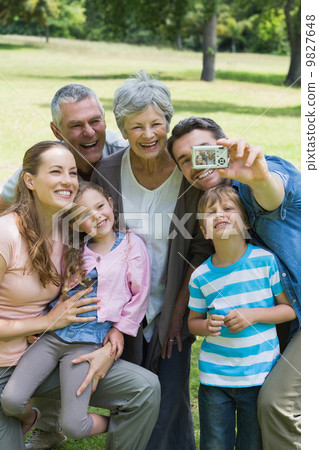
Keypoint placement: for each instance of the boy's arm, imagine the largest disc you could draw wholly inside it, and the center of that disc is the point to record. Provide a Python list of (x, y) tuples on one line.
[(239, 319), (282, 312)]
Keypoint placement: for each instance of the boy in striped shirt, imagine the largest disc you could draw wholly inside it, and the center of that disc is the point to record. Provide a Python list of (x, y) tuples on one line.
[(236, 298)]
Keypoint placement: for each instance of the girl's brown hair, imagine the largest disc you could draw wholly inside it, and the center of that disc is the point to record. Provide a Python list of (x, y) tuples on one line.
[(74, 272), (28, 221)]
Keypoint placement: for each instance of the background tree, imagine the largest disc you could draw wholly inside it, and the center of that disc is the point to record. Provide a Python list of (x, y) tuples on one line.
[(208, 13), (231, 27), (292, 10), (27, 10), (209, 42), (9, 9), (69, 19), (41, 11), (175, 21), (292, 13)]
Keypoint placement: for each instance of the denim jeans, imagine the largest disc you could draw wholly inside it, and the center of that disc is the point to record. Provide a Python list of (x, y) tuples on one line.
[(218, 419), (174, 429)]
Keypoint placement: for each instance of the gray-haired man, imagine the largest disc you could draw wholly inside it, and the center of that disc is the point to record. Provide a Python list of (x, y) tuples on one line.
[(78, 119)]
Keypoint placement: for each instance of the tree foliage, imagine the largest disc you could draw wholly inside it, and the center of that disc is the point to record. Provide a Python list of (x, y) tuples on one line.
[(291, 10), (69, 19), (58, 15), (39, 10), (232, 28)]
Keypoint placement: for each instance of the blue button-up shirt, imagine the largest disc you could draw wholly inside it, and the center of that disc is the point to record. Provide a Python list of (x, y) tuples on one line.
[(280, 230)]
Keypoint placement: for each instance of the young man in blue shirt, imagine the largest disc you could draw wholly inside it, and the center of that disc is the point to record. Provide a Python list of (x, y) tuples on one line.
[(270, 189)]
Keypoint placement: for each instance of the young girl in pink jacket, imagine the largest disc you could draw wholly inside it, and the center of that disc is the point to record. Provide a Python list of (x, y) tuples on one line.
[(116, 266)]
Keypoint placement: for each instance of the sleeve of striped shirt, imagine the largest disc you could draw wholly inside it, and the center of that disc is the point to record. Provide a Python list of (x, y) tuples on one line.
[(197, 300), (276, 285)]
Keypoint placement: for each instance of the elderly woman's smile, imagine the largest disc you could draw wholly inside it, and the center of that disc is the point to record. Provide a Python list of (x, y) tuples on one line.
[(146, 132)]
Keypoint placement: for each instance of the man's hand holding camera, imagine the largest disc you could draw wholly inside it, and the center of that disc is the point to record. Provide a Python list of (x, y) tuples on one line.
[(247, 164)]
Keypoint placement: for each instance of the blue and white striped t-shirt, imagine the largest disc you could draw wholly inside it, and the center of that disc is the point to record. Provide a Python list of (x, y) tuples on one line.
[(245, 358)]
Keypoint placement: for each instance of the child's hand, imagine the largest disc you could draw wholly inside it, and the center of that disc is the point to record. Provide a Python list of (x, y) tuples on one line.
[(116, 338), (214, 324), (33, 339), (238, 319)]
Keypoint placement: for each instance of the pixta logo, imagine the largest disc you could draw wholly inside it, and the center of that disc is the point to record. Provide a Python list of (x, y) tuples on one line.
[(66, 225)]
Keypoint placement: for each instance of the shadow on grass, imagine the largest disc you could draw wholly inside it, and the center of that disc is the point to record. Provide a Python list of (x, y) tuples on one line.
[(249, 77), (113, 76), (8, 46), (202, 108), (206, 107), (160, 75), (246, 77)]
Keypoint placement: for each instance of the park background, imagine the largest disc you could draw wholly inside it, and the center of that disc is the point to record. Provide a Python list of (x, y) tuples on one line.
[(250, 94)]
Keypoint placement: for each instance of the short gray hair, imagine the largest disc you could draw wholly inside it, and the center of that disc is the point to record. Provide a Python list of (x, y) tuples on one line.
[(136, 94), (71, 93)]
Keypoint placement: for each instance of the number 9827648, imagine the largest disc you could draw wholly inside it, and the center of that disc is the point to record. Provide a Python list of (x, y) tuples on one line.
[(310, 41)]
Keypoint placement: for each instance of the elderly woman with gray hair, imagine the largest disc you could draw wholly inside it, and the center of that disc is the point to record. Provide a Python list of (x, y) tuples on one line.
[(155, 201)]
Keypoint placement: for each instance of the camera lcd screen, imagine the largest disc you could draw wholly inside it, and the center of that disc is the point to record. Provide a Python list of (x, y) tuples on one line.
[(210, 157)]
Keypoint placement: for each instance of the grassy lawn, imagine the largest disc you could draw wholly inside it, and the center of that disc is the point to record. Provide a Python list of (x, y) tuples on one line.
[(247, 99)]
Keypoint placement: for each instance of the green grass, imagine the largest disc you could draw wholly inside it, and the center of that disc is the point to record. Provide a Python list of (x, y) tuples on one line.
[(247, 99)]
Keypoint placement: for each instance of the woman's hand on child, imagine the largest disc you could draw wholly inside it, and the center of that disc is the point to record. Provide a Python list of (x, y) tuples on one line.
[(116, 339), (214, 324), (100, 363), (65, 312), (238, 319)]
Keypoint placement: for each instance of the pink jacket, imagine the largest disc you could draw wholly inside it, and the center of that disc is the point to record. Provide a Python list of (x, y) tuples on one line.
[(123, 283)]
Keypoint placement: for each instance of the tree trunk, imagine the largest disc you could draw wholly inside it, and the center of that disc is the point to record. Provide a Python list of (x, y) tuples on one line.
[(294, 36), (179, 42), (294, 73), (209, 49), (233, 45), (47, 33)]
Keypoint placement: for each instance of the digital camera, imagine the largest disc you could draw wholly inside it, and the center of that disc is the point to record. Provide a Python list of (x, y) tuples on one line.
[(210, 157)]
